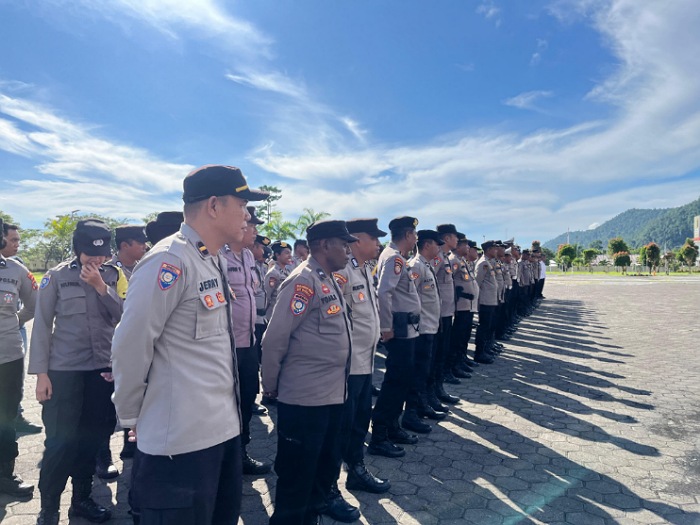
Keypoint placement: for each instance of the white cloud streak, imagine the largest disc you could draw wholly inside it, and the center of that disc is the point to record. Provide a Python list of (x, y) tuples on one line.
[(527, 100)]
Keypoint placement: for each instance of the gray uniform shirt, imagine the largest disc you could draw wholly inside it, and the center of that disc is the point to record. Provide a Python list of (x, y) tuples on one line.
[(307, 345), (523, 273), (500, 279), (73, 324), (463, 276), (443, 277), (397, 289), (127, 271), (274, 278), (16, 284), (173, 354), (259, 272), (424, 277), (355, 281), (240, 271), (486, 278)]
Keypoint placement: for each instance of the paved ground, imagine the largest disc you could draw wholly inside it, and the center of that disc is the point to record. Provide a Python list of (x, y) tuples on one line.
[(591, 416)]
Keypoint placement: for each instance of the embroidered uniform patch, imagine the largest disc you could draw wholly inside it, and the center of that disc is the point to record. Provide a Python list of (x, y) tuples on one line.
[(209, 301), (361, 297), (44, 282), (333, 309), (436, 261), (325, 289), (272, 282), (398, 265), (30, 276), (340, 278), (298, 304), (167, 276), (414, 276), (220, 297), (8, 298), (304, 291)]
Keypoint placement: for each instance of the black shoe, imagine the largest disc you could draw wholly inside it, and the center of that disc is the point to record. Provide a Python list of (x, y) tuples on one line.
[(268, 401), (484, 359), (104, 468), (253, 466), (434, 403), (458, 372), (400, 436), (359, 478), (259, 410), (385, 448), (471, 363), (89, 510), (444, 396), (411, 421), (430, 413), (12, 484), (48, 517), (338, 509), (449, 378), (22, 426), (375, 390)]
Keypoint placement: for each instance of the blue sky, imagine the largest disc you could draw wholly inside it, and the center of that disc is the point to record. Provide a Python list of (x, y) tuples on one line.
[(505, 118)]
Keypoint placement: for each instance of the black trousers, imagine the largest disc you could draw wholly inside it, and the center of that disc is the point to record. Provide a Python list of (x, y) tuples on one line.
[(540, 287), (198, 488), (513, 301), (484, 331), (11, 375), (357, 413), (395, 386), (442, 349), (259, 332), (308, 454), (524, 299), (423, 358), (77, 419), (461, 334), (248, 373), (500, 322)]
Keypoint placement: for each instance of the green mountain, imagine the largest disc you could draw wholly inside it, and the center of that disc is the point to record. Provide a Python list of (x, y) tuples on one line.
[(669, 226)]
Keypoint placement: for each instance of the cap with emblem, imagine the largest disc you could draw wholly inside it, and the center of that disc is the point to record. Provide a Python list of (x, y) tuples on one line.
[(489, 244), (472, 244), (444, 229), (254, 219), (261, 239), (461, 238), (526, 251), (403, 222), (216, 181), (329, 229), (429, 235), (128, 232), (166, 223), (508, 251), (278, 246), (368, 226), (92, 237)]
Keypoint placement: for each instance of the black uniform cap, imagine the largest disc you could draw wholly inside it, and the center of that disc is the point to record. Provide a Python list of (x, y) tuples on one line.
[(166, 223), (368, 226), (92, 237), (261, 239), (329, 229), (129, 232), (301, 242), (472, 244), (488, 244), (215, 181), (278, 246), (429, 235), (403, 222), (443, 229), (254, 219)]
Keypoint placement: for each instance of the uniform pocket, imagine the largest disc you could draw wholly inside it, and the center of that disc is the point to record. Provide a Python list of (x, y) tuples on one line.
[(211, 316), (71, 301), (331, 319)]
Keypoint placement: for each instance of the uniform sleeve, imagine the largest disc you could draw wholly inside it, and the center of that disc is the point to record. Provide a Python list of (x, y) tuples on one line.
[(157, 286), (295, 299), (42, 329), (27, 294), (481, 269), (113, 300), (388, 281)]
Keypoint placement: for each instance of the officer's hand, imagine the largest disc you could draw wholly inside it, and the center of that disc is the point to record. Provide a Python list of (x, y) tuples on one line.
[(44, 390), (107, 376), (271, 395), (90, 273), (132, 435), (387, 336)]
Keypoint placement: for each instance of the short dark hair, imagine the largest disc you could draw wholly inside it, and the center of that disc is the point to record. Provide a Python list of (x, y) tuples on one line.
[(6, 227), (399, 234), (422, 242)]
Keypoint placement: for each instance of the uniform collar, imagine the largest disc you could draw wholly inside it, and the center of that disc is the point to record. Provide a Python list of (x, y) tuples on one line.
[(316, 267), (195, 240), (3, 261)]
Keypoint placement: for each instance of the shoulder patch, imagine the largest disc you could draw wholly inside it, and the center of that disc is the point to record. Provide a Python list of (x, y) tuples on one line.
[(398, 265), (300, 299), (304, 290), (436, 261), (168, 275), (340, 278), (45, 281), (272, 281), (414, 276), (31, 278)]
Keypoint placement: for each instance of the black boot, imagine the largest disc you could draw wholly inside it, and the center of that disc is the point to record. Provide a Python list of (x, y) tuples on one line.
[(12, 484), (359, 478), (399, 435), (380, 445), (411, 421), (83, 506), (444, 396), (434, 402), (129, 448), (104, 468), (49, 514), (425, 410), (253, 466), (449, 378), (337, 508), (460, 373), (484, 358)]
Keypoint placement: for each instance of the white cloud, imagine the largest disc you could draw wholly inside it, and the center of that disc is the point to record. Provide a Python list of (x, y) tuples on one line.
[(536, 57), (527, 100), (490, 11), (274, 82)]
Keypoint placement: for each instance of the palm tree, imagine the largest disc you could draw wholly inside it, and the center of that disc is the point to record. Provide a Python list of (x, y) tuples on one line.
[(276, 228), (309, 217)]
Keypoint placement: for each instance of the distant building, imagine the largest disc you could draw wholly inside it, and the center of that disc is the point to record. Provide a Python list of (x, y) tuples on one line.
[(696, 229)]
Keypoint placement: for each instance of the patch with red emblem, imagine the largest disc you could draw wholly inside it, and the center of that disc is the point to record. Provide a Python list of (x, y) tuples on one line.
[(325, 289), (398, 265), (340, 278), (333, 309), (220, 297)]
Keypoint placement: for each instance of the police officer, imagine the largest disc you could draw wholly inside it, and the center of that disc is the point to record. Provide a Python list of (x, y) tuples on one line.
[(243, 280), (165, 224), (306, 363), (399, 317), (258, 251), (16, 284), (421, 268), (78, 306), (176, 379), (282, 257), (301, 252), (466, 304), (488, 302)]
